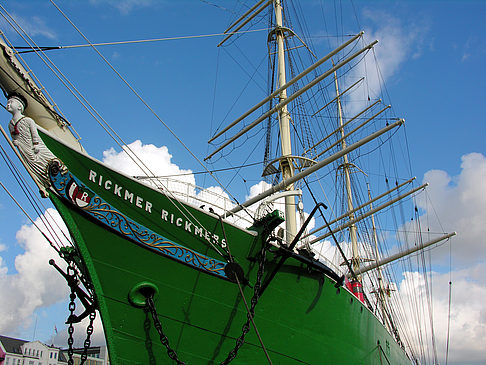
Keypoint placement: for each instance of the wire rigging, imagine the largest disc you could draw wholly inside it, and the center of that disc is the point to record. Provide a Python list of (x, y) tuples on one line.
[(96, 115), (312, 127), (182, 209), (118, 43)]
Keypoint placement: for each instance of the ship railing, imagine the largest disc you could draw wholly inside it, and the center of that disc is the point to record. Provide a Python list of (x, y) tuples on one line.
[(329, 263), (209, 199)]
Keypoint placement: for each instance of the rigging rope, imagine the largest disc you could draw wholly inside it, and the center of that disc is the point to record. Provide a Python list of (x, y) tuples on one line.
[(154, 113), (92, 110), (199, 172), (65, 81), (50, 48), (22, 33), (448, 322), (34, 201), (449, 305), (31, 220), (415, 300)]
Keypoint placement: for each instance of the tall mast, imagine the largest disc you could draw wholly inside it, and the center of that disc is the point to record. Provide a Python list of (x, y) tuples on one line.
[(284, 123), (381, 288), (347, 181)]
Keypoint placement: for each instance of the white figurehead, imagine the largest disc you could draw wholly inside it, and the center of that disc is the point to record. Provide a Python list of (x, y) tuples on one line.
[(23, 131), (16, 106)]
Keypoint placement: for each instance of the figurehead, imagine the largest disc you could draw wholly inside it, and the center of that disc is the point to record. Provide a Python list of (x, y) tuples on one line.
[(19, 100)]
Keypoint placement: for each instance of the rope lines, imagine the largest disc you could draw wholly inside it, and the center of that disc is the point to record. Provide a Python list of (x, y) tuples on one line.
[(178, 205), (408, 315), (92, 111), (395, 306), (117, 43), (47, 220)]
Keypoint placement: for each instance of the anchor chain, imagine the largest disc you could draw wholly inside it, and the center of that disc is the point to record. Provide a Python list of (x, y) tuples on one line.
[(254, 300), (87, 341), (163, 338), (88, 300), (245, 329), (71, 273)]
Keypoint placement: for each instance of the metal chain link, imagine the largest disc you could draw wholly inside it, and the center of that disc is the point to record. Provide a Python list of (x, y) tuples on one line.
[(254, 300), (163, 338), (87, 341), (71, 272), (245, 329)]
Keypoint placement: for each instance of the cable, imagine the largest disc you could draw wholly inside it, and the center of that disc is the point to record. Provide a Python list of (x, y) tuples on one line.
[(146, 105), (51, 48), (179, 206), (449, 305), (31, 220)]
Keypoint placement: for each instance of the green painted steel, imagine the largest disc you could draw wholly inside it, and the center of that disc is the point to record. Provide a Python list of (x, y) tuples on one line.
[(68, 187), (302, 317)]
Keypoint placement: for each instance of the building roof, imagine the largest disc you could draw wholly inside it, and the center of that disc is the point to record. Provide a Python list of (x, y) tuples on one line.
[(12, 345), (62, 357)]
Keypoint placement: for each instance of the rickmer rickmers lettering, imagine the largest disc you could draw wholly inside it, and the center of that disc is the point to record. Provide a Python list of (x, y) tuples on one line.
[(117, 190), (68, 186), (166, 216)]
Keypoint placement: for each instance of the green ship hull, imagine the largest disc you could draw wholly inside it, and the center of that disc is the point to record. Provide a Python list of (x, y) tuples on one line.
[(132, 241), (302, 316)]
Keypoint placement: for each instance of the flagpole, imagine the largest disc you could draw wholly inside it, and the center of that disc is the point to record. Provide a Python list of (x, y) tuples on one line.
[(35, 328)]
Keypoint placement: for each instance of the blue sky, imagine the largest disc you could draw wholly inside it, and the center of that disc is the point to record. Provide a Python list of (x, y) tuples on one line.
[(433, 56)]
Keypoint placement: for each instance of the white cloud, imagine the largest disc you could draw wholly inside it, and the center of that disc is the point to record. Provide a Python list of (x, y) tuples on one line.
[(467, 315), (459, 201), (397, 42), (181, 183), (124, 6), (97, 338), (33, 26), (331, 255), (158, 159), (35, 284), (264, 206), (470, 48), (258, 189), (462, 193), (216, 197)]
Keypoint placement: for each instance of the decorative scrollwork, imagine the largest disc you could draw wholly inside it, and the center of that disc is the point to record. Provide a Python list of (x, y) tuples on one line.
[(71, 189)]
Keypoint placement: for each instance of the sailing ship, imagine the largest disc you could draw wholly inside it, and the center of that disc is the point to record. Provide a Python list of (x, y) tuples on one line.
[(184, 275)]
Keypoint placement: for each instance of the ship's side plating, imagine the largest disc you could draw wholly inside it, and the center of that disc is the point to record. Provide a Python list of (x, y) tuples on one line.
[(302, 316)]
